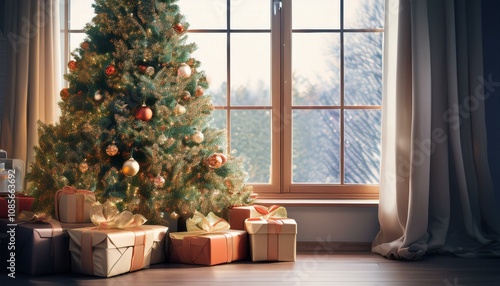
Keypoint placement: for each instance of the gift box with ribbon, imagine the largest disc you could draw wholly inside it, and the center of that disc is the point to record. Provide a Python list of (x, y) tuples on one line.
[(238, 215), (272, 239), (40, 243), (14, 204), (117, 244), (73, 205), (208, 241)]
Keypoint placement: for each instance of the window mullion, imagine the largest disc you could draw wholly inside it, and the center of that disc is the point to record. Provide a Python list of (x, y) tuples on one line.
[(286, 95)]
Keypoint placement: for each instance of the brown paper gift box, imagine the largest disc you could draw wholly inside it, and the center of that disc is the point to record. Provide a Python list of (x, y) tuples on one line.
[(272, 239), (38, 248), (74, 205), (208, 248), (110, 252), (21, 203)]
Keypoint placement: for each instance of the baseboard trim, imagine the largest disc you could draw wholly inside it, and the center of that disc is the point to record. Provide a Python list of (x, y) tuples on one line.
[(333, 246)]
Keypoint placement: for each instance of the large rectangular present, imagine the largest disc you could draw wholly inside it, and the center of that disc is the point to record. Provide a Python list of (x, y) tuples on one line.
[(13, 204), (272, 239), (209, 248), (73, 205), (36, 248), (110, 252), (238, 215)]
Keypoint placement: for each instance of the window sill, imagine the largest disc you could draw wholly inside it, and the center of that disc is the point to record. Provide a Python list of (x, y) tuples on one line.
[(317, 202)]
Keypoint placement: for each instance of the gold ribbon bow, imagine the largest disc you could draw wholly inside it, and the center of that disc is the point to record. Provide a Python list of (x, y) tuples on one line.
[(107, 216), (209, 223), (265, 213), (27, 216)]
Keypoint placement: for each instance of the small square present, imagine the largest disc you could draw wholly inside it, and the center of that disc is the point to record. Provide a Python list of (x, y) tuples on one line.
[(110, 252), (72, 205), (208, 241), (273, 239), (13, 204), (238, 215), (40, 247)]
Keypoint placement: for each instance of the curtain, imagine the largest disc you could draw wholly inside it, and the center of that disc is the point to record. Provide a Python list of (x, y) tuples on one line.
[(32, 30), (436, 191)]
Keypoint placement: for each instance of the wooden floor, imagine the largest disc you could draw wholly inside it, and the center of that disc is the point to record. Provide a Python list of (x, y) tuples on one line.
[(334, 268)]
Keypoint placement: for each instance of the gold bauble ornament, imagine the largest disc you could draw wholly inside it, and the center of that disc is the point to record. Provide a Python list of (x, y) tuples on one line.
[(83, 167), (130, 167), (197, 137), (179, 109), (112, 149)]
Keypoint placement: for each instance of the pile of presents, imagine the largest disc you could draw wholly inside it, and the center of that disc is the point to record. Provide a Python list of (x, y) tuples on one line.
[(96, 239)]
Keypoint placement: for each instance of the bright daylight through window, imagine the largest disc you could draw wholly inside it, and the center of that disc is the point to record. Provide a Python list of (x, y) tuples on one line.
[(296, 83)]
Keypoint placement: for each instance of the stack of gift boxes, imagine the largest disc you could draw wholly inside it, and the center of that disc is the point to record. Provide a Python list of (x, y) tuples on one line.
[(96, 239)]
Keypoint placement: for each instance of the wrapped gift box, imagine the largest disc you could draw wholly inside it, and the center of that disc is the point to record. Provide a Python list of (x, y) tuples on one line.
[(220, 247), (20, 203), (272, 239), (238, 215), (110, 252), (39, 247), (74, 205)]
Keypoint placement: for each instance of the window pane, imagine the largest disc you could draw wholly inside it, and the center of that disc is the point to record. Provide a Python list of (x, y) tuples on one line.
[(316, 146), (81, 12), (364, 14), (315, 14), (363, 68), (254, 14), (251, 137), (362, 146), (211, 53), (315, 69), (220, 117), (75, 39), (203, 14), (250, 69)]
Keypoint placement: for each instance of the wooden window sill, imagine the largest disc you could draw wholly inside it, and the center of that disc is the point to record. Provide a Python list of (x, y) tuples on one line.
[(316, 202)]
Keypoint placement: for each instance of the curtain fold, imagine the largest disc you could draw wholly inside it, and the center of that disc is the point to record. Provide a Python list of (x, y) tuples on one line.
[(436, 192), (32, 30)]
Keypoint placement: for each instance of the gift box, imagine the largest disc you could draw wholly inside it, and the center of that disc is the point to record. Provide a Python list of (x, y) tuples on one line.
[(205, 248), (110, 252), (13, 204), (238, 215), (73, 206), (40, 247), (272, 239), (12, 173)]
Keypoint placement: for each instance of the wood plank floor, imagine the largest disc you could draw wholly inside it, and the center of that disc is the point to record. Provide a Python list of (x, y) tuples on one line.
[(334, 268)]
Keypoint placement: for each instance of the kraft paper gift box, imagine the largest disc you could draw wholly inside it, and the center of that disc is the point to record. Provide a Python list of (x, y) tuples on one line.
[(272, 239), (72, 205), (14, 206), (220, 247), (110, 252), (238, 215), (41, 247)]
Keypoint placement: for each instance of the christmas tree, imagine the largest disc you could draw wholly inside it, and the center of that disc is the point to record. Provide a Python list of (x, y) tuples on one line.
[(136, 122)]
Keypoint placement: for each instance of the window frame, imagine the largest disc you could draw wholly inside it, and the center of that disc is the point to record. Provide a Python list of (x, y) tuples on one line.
[(281, 185)]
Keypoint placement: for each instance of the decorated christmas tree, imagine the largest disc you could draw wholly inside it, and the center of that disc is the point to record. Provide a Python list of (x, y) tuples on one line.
[(136, 122)]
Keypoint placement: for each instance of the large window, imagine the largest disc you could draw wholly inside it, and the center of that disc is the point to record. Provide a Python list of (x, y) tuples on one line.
[(296, 83)]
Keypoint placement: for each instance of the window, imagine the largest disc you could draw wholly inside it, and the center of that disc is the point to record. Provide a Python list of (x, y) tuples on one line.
[(296, 83)]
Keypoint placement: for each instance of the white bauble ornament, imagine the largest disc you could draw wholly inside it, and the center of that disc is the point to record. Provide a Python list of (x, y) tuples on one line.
[(97, 95), (197, 137), (184, 71), (179, 109), (130, 167)]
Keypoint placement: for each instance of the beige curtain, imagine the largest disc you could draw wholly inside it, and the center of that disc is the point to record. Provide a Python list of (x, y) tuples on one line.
[(436, 192), (32, 30)]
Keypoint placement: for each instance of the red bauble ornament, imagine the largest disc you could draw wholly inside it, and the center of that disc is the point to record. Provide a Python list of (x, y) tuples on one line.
[(179, 28), (85, 45), (64, 93), (144, 113), (72, 65), (199, 91), (142, 68), (110, 70)]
